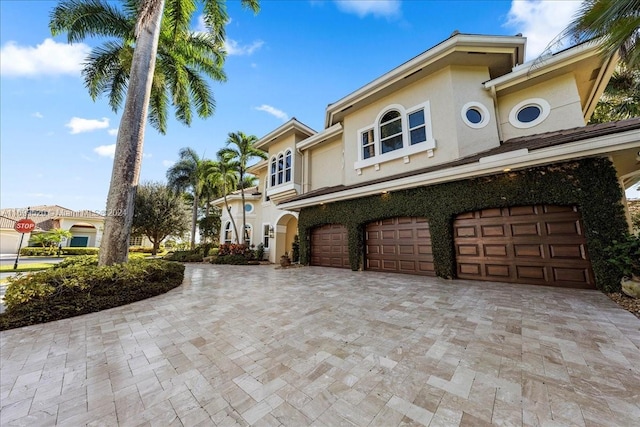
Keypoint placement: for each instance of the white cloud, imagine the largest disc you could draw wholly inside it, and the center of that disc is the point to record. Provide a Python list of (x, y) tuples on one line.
[(377, 8), (168, 163), (274, 112), (47, 58), (37, 115), (79, 125), (232, 47), (106, 150), (540, 21), (113, 132)]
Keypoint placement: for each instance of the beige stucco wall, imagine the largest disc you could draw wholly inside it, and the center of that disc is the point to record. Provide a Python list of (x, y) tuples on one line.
[(10, 239), (446, 91), (326, 167), (562, 95), (467, 87)]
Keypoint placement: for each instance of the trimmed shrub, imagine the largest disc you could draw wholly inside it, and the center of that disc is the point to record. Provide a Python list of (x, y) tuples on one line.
[(38, 251), (81, 287), (80, 251), (184, 256), (230, 259), (144, 249)]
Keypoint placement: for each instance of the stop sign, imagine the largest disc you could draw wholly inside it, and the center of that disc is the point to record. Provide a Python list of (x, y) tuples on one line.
[(24, 225)]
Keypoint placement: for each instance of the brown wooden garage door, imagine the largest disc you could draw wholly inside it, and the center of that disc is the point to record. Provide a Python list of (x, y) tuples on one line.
[(330, 246), (542, 245), (401, 245)]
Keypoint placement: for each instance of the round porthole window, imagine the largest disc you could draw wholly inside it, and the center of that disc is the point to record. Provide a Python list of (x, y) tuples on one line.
[(529, 113), (248, 207), (475, 115)]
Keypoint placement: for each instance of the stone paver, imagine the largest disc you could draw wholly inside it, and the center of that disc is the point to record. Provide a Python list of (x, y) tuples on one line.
[(320, 346)]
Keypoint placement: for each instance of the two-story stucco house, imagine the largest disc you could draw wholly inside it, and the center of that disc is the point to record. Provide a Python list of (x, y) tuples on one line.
[(463, 162)]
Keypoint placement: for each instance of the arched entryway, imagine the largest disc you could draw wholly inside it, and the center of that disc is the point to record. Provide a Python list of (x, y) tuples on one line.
[(83, 235), (285, 231)]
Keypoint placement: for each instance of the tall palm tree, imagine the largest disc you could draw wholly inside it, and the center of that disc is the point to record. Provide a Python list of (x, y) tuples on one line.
[(188, 174), (129, 144), (240, 147), (222, 174), (615, 22)]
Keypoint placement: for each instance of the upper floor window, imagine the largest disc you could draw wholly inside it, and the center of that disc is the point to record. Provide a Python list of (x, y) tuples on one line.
[(417, 129), (529, 113), (391, 131), (281, 168), (397, 132)]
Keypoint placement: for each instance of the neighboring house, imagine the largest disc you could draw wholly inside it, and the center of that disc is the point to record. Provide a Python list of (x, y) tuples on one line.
[(463, 162), (9, 238), (85, 226)]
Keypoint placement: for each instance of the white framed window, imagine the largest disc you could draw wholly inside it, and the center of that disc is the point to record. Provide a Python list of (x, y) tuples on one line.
[(475, 115), (266, 234), (135, 241), (228, 233), (248, 207), (248, 235), (397, 132), (529, 113), (281, 171)]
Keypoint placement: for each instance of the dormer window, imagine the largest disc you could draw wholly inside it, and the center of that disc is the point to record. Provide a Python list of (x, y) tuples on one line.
[(391, 132), (281, 168), (396, 133)]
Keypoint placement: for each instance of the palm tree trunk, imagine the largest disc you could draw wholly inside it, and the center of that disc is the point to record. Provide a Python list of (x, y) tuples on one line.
[(194, 219), (245, 235), (233, 222), (128, 155)]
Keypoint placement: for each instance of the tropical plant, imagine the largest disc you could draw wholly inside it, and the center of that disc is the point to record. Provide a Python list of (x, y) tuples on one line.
[(141, 79), (616, 23), (621, 97), (158, 213), (188, 174), (222, 174), (42, 239), (240, 147)]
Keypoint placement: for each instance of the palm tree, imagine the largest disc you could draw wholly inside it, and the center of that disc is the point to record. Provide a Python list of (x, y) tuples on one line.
[(621, 97), (129, 144), (181, 60), (240, 147), (222, 174), (188, 174), (615, 22)]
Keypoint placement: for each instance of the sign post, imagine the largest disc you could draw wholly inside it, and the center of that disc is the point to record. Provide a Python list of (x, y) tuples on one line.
[(23, 226)]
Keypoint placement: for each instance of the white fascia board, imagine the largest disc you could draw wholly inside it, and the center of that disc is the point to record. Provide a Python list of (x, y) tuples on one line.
[(564, 152), (292, 124), (319, 137), (234, 197), (524, 72), (420, 61), (258, 166)]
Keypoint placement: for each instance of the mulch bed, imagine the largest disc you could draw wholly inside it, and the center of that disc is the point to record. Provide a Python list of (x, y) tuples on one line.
[(632, 305)]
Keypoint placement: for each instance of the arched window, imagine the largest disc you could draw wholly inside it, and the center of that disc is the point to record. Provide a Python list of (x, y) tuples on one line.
[(391, 131), (287, 166), (228, 233), (273, 171), (280, 168)]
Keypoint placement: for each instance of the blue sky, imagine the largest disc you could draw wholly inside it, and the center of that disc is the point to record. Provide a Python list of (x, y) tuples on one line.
[(290, 60)]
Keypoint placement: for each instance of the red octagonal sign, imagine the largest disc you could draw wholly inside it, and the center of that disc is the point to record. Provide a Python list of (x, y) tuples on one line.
[(24, 225)]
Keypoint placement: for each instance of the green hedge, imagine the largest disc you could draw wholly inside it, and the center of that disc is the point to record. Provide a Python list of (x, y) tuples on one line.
[(184, 256), (591, 184), (144, 249), (38, 251), (81, 287)]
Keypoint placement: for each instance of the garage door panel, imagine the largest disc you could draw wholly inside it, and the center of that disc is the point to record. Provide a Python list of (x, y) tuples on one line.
[(567, 251), (543, 245), (329, 246), (404, 246)]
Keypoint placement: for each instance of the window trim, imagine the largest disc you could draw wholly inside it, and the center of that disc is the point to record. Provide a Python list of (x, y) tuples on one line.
[(266, 234), (250, 210), (227, 229), (407, 149), (484, 112), (278, 168), (544, 106)]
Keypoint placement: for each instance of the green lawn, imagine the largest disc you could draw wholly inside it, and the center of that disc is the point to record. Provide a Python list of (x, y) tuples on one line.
[(26, 267)]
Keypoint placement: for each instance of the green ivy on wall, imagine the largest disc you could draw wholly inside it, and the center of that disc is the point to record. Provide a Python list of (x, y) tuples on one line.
[(590, 184)]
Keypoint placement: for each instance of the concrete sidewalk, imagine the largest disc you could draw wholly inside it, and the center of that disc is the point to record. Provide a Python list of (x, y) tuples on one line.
[(255, 345)]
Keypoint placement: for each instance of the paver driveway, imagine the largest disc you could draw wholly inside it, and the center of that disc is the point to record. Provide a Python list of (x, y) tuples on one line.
[(321, 346)]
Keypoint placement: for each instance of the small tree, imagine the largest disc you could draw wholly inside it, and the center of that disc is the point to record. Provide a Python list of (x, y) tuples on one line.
[(209, 226), (159, 212)]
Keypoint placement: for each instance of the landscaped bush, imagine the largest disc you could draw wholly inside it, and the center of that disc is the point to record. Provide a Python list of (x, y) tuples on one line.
[(53, 250), (81, 287), (624, 255), (230, 259), (236, 254), (184, 256), (80, 251), (144, 249)]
